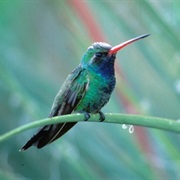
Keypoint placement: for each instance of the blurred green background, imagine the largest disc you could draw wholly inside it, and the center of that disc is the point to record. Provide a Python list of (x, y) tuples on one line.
[(41, 42)]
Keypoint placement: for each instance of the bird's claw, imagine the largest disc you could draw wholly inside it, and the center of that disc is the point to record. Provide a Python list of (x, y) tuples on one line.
[(102, 116), (86, 115)]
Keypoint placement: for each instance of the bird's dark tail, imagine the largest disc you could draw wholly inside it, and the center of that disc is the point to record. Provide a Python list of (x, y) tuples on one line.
[(48, 134), (34, 140)]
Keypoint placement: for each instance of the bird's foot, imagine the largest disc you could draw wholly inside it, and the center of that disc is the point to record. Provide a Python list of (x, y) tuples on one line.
[(86, 115), (102, 116)]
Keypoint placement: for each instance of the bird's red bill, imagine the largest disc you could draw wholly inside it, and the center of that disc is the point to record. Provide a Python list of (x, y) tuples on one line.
[(115, 49)]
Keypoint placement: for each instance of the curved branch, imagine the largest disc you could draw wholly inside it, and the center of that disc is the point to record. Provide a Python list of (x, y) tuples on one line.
[(146, 121)]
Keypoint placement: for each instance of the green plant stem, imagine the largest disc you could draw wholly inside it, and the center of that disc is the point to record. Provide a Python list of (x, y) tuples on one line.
[(152, 122)]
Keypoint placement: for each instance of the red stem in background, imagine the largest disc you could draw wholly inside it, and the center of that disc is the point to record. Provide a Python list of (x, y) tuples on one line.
[(88, 20)]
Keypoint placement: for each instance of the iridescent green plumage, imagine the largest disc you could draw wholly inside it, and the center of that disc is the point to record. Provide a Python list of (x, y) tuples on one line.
[(87, 89)]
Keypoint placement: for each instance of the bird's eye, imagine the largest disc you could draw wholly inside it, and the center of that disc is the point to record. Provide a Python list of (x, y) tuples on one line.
[(99, 54)]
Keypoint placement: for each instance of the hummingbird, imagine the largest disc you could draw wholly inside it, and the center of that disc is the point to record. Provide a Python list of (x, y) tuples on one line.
[(86, 90)]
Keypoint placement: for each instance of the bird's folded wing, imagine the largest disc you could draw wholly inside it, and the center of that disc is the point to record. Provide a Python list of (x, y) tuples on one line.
[(70, 95)]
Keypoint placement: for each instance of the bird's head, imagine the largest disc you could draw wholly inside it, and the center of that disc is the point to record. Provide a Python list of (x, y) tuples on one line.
[(96, 54), (100, 54)]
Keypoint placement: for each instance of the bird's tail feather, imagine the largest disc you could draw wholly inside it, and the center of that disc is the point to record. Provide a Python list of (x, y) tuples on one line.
[(48, 134)]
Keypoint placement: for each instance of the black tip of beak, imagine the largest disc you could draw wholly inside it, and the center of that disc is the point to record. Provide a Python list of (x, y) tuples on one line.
[(144, 35)]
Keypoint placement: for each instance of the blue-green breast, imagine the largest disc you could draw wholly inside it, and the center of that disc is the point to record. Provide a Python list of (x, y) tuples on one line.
[(98, 92)]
